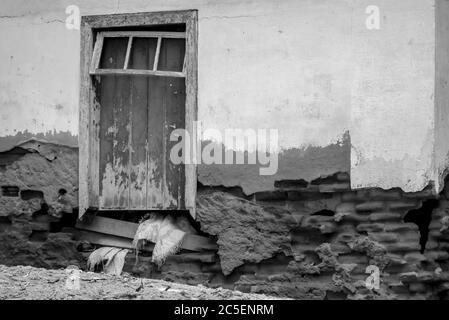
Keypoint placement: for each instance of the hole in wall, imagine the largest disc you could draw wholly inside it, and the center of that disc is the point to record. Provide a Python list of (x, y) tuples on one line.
[(287, 184), (10, 191), (5, 223), (38, 236), (422, 218), (324, 212), (31, 194)]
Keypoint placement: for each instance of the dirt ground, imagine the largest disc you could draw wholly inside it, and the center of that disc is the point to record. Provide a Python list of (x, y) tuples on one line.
[(23, 282)]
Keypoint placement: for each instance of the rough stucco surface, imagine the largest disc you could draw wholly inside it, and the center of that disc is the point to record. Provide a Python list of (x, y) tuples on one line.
[(246, 232), (331, 249), (44, 167), (38, 170)]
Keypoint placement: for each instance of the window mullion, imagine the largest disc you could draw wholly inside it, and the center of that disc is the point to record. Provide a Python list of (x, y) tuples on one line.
[(128, 53), (158, 51), (97, 53)]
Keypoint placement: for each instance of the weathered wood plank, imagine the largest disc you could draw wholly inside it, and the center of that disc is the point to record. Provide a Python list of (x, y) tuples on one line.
[(139, 130), (95, 238), (108, 240), (94, 153), (115, 227), (84, 119), (155, 143), (128, 52), (158, 52), (131, 72), (98, 48), (172, 58), (116, 126), (122, 143), (191, 69), (178, 258), (107, 88), (127, 230), (144, 34), (139, 19)]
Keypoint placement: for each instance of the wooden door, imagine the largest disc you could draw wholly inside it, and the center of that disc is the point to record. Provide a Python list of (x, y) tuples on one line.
[(138, 111)]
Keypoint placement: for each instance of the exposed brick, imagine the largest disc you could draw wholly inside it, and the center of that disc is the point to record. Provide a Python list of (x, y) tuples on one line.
[(415, 257), (403, 246), (409, 277), (437, 255), (351, 217), (383, 236), (399, 288), (443, 245), (410, 204), (306, 195), (371, 227), (384, 216), (436, 233), (417, 287), (345, 207), (396, 260), (380, 194), (270, 196), (425, 194), (334, 187), (430, 245), (410, 235), (291, 184), (397, 227), (370, 206), (359, 195), (342, 176), (435, 225)]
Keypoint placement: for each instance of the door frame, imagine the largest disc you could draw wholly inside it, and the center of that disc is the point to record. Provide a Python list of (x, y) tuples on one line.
[(89, 108)]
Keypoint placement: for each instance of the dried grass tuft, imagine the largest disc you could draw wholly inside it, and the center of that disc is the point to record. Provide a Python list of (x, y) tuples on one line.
[(110, 259), (162, 231)]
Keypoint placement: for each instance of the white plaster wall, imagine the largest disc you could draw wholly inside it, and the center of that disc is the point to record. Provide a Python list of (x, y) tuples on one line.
[(309, 68), (392, 118), (38, 88), (442, 93)]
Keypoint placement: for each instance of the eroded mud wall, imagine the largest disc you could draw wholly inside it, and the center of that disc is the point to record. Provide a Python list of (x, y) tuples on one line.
[(38, 198), (307, 239), (317, 240)]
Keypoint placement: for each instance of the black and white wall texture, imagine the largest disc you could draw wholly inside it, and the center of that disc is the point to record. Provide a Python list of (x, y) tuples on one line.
[(320, 135)]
